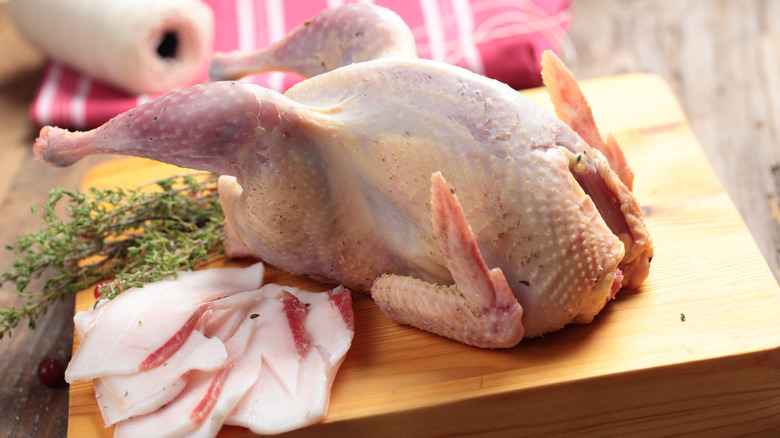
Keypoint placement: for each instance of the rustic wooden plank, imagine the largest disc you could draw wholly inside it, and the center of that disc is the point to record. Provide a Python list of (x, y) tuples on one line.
[(713, 369), (24, 401)]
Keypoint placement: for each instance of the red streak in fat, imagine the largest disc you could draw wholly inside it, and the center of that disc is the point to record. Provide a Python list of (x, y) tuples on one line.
[(209, 400), (173, 344), (342, 301), (295, 311)]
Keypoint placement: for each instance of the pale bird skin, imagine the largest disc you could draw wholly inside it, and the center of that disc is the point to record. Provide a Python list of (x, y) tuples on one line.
[(433, 188), (334, 38)]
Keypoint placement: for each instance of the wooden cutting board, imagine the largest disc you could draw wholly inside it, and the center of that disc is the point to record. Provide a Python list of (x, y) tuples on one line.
[(696, 349)]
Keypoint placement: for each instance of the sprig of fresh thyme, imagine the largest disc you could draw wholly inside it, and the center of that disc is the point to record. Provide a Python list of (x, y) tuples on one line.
[(120, 238)]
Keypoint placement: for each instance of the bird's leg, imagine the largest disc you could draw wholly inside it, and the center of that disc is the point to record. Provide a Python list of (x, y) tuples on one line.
[(479, 309), (336, 37), (217, 127)]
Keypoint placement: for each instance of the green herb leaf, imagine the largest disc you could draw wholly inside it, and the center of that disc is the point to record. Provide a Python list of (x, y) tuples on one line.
[(126, 238)]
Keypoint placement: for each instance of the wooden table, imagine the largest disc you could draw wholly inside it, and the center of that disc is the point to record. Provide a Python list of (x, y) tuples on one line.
[(721, 59)]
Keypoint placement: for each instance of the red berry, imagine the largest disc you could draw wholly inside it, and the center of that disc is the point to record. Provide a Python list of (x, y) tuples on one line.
[(51, 372), (96, 292)]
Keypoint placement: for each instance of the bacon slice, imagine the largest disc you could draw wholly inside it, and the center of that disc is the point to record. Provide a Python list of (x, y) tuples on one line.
[(264, 358), (201, 408), (129, 329), (166, 350), (270, 407), (123, 396)]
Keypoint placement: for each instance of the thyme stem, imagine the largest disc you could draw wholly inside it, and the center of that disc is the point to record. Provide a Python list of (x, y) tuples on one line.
[(119, 238)]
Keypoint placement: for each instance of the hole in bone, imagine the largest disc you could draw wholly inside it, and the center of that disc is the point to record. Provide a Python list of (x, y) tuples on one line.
[(169, 45)]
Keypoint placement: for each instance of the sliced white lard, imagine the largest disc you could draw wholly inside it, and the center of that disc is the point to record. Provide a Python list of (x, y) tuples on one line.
[(128, 395), (200, 409), (143, 326), (270, 407)]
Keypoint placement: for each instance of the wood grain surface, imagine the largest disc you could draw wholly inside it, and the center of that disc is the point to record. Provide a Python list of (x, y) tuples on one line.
[(584, 380), (721, 59)]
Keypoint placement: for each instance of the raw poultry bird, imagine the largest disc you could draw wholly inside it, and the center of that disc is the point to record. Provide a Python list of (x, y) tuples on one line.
[(461, 206)]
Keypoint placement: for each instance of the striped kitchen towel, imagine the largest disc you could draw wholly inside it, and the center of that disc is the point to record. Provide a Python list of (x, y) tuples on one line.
[(502, 39)]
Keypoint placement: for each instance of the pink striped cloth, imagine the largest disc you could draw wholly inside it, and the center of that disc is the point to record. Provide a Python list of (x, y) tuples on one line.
[(502, 39)]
